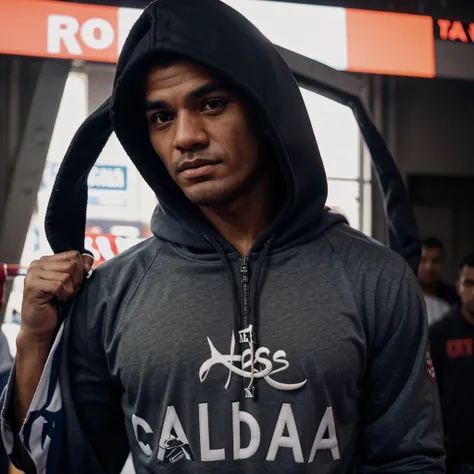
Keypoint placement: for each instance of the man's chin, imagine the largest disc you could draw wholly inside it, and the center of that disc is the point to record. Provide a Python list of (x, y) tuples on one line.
[(211, 197), (210, 200)]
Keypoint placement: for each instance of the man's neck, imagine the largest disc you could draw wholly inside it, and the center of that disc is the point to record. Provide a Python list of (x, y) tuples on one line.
[(467, 315), (244, 220)]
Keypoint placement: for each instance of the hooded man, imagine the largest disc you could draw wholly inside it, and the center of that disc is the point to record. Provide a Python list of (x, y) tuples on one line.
[(255, 332)]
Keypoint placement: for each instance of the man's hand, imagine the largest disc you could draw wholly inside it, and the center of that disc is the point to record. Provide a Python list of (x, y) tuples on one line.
[(49, 280)]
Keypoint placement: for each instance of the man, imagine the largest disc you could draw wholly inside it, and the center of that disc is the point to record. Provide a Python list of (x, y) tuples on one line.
[(439, 296), (255, 331), (453, 356)]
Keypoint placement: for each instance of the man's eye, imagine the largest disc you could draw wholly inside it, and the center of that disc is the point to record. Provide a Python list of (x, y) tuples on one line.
[(212, 105), (161, 117)]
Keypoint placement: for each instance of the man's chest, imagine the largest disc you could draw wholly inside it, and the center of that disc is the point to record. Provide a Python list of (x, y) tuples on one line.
[(179, 358), (302, 337)]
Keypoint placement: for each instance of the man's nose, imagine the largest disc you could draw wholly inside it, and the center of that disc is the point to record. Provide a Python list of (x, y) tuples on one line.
[(189, 132)]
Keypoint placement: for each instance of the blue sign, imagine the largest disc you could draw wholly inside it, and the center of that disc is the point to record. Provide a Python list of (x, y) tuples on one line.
[(103, 177)]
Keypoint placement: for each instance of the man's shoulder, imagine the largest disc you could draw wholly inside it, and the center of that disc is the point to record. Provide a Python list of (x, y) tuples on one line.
[(383, 285), (127, 265), (112, 283), (372, 271), (357, 250)]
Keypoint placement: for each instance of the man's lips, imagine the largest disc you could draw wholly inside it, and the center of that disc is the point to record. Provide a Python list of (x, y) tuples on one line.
[(196, 163), (197, 168)]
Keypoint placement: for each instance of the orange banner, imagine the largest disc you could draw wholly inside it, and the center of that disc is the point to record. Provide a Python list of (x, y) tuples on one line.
[(390, 43), (376, 42), (59, 30)]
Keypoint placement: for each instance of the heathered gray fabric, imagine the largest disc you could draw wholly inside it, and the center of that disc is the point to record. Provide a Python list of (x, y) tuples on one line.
[(346, 311)]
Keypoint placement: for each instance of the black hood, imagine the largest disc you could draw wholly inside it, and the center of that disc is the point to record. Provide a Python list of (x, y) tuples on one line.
[(216, 36)]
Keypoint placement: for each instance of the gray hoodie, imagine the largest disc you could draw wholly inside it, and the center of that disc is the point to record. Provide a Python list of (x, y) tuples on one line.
[(308, 355)]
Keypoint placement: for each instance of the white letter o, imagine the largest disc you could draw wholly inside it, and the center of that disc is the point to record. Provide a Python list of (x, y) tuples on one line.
[(107, 33)]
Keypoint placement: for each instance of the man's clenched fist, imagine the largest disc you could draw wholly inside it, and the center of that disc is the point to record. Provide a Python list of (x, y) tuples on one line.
[(49, 280)]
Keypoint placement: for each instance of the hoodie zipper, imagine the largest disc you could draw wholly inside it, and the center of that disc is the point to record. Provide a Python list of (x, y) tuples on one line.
[(244, 281), (246, 333)]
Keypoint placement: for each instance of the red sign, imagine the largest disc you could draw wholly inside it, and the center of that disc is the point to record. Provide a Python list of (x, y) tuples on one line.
[(106, 246), (103, 246), (448, 30)]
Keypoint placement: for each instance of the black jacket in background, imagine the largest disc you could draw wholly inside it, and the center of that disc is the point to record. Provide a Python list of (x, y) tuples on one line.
[(447, 293), (452, 349)]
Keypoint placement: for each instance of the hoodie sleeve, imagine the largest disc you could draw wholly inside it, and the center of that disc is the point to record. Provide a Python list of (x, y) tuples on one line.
[(40, 433), (75, 424), (94, 439), (401, 427)]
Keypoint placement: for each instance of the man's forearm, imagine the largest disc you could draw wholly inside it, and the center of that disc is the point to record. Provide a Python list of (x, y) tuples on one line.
[(31, 358), (32, 354)]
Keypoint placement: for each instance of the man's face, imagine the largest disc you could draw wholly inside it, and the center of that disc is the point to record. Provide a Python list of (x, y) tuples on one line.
[(465, 287), (429, 271), (202, 133)]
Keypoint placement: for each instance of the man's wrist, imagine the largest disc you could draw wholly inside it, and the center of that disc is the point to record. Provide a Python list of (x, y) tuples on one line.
[(31, 342)]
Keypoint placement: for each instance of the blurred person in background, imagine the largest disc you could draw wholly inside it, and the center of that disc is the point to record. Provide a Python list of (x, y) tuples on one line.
[(439, 296), (452, 352)]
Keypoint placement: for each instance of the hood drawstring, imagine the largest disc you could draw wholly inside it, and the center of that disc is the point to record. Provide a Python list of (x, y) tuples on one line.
[(231, 277), (247, 330), (254, 286)]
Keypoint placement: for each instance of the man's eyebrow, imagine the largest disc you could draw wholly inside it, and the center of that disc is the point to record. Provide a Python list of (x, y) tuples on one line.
[(155, 105), (206, 89), (198, 93)]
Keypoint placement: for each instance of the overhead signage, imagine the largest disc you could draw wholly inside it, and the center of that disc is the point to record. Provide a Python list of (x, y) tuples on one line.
[(108, 177), (361, 41), (103, 177), (447, 30), (64, 30)]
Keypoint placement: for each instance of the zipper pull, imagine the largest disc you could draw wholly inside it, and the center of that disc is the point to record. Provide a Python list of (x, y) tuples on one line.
[(244, 269)]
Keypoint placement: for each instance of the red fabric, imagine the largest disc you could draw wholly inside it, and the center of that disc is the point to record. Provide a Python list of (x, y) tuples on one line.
[(103, 246)]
